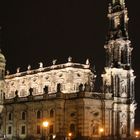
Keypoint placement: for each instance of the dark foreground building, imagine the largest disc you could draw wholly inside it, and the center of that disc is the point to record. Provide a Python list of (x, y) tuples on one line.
[(65, 97)]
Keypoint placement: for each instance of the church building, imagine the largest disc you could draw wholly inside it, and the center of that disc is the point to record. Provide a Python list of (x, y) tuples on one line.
[(63, 97)]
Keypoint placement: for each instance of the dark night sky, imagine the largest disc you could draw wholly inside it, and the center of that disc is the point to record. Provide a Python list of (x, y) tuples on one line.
[(42, 30)]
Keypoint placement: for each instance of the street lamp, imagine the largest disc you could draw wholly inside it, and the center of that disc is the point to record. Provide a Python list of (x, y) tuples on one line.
[(45, 124), (54, 136), (70, 135), (101, 130), (137, 133)]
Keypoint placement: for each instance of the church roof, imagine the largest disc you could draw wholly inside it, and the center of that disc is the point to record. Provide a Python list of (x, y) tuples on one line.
[(49, 68)]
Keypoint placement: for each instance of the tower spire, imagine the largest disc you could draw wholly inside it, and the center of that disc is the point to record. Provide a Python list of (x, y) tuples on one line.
[(118, 78), (118, 20), (118, 47), (118, 50)]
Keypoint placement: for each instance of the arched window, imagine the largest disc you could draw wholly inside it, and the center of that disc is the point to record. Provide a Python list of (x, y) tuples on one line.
[(59, 87), (80, 87), (31, 91), (122, 56), (95, 129), (38, 114), (51, 129), (16, 93), (38, 129), (72, 128), (87, 87), (45, 89), (51, 113), (23, 116), (23, 130), (9, 130), (10, 116)]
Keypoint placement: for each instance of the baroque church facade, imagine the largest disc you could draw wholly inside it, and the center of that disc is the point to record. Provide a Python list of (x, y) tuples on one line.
[(65, 95)]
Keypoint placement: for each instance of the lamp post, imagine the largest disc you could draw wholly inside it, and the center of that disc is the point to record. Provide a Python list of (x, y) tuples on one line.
[(101, 130), (137, 133), (70, 135), (54, 136), (45, 124)]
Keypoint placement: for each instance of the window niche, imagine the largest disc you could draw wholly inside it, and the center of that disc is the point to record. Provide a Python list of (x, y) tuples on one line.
[(38, 129), (95, 129), (9, 130), (23, 129), (81, 88), (72, 128), (23, 115), (59, 88), (10, 116), (38, 114), (45, 89), (51, 129), (16, 94), (87, 87), (31, 91), (52, 113)]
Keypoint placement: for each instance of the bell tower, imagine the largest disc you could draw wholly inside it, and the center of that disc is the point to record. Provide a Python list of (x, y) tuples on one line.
[(118, 77), (118, 46)]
